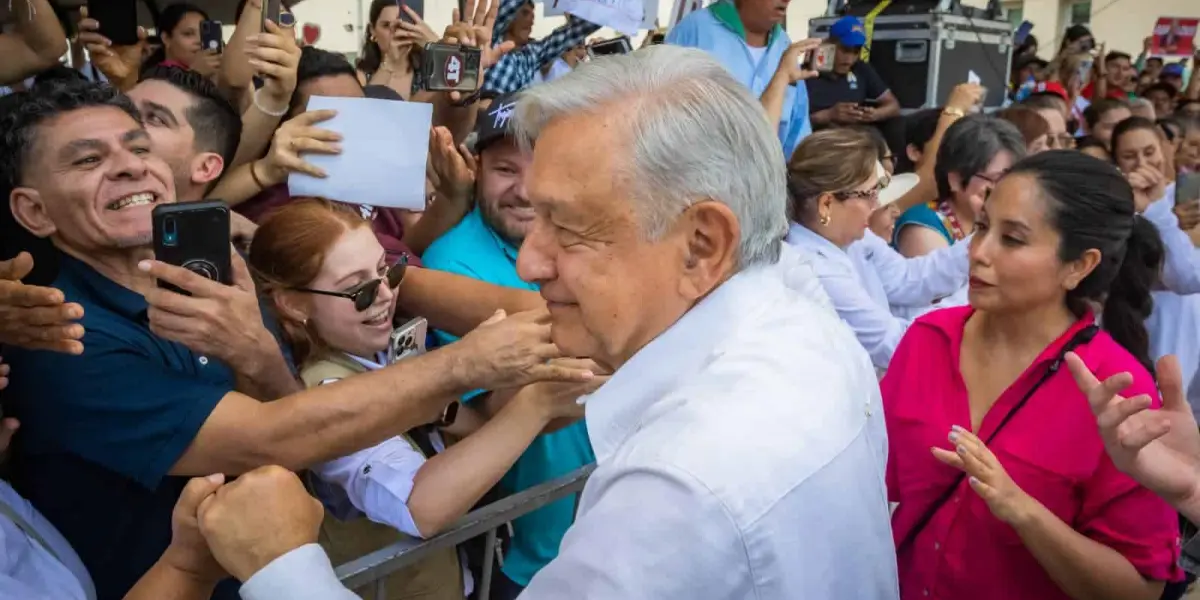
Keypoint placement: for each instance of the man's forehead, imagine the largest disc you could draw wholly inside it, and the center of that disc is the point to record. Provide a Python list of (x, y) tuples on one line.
[(93, 122), (576, 157), (159, 92)]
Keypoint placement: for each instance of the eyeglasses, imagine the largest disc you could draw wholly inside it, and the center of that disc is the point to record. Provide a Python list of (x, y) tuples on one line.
[(364, 294), (1062, 141), (871, 195)]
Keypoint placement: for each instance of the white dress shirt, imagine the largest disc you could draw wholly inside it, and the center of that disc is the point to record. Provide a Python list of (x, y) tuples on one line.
[(1174, 325), (30, 571), (855, 279), (740, 454), (302, 574)]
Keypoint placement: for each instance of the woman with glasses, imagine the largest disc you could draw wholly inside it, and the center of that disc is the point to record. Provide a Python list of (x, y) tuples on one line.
[(975, 152), (334, 292), (833, 179)]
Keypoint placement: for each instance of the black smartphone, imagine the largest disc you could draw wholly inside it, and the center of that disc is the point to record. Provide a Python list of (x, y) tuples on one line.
[(449, 67), (869, 103), (195, 236), (619, 45), (211, 37), (1187, 188), (270, 12), (117, 18), (418, 7)]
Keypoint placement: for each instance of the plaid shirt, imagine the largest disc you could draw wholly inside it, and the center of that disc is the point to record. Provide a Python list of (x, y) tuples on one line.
[(517, 69)]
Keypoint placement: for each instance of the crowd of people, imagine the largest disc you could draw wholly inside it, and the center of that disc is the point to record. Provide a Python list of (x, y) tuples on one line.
[(814, 346)]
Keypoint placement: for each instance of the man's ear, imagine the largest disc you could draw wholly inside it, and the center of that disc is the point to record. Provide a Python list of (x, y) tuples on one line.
[(713, 236), (207, 167), (27, 208)]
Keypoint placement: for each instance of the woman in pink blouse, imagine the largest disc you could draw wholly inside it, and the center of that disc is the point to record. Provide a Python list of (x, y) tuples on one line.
[(1004, 488)]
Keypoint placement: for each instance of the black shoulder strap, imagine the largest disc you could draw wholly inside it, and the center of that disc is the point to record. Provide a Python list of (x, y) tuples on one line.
[(1084, 336)]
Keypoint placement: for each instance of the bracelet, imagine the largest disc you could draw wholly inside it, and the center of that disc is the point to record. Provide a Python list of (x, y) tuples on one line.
[(254, 176), (273, 113)]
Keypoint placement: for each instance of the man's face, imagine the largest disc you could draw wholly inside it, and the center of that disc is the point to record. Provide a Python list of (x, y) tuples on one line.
[(1108, 121), (336, 86), (845, 58), (501, 191), (1163, 104), (1121, 73), (764, 13), (164, 110), (92, 183), (521, 29), (609, 290)]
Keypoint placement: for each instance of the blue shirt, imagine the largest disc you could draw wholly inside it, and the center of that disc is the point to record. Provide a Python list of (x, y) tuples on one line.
[(475, 250), (718, 31), (921, 215), (101, 431)]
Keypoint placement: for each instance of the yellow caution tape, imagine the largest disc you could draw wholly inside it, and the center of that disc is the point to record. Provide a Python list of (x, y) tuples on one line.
[(869, 26)]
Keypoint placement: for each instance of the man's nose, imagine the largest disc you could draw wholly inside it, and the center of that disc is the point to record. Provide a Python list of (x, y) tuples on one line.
[(535, 262), (127, 165)]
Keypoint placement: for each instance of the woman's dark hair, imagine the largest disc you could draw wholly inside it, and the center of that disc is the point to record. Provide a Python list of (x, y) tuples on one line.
[(970, 144), (1127, 126), (919, 128), (1090, 205), (1102, 106), (370, 57), (165, 22), (1088, 141)]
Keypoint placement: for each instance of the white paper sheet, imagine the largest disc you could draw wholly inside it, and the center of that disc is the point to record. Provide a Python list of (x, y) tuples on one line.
[(384, 147), (625, 16)]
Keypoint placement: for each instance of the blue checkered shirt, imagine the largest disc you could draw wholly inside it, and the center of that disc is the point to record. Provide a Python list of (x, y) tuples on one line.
[(517, 69)]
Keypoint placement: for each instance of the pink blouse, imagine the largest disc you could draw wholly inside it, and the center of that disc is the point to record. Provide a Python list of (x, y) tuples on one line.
[(1051, 449)]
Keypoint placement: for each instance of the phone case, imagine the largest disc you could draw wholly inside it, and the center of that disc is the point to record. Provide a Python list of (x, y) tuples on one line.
[(408, 340), (211, 37), (195, 236), (447, 67), (118, 20)]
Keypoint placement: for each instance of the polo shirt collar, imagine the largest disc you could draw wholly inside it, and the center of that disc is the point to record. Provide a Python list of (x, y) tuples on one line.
[(726, 14), (620, 406), (100, 289)]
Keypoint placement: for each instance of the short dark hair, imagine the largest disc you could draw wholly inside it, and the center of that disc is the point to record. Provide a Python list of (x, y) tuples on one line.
[(168, 18), (1154, 59), (919, 128), (1044, 101), (217, 125), (1116, 55), (1129, 125), (1102, 106), (59, 72), (970, 144), (316, 63), (1161, 86), (24, 112), (1090, 205)]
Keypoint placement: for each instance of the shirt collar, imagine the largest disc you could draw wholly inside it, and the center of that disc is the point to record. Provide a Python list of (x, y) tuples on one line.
[(508, 249), (618, 408), (726, 14), (100, 289), (951, 322)]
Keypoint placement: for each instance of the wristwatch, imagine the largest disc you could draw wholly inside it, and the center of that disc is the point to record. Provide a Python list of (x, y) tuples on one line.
[(953, 111)]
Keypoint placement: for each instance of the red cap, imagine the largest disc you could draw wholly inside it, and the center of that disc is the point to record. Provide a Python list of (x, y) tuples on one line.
[(1051, 87)]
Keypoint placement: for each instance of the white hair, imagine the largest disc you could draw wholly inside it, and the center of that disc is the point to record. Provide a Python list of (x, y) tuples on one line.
[(697, 134)]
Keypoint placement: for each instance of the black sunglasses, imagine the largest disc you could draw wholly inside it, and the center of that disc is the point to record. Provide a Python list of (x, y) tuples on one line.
[(364, 294)]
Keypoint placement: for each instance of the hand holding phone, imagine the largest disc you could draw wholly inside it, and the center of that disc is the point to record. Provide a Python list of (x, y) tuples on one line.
[(1187, 200), (211, 37), (196, 237), (451, 68), (117, 20)]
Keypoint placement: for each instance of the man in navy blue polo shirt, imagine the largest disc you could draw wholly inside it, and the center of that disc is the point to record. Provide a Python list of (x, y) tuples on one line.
[(160, 392)]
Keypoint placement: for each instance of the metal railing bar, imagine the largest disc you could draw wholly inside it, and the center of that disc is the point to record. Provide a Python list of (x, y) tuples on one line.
[(385, 561), (489, 544)]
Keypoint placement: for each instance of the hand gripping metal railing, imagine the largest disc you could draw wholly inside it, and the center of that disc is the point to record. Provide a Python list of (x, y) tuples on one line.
[(371, 571)]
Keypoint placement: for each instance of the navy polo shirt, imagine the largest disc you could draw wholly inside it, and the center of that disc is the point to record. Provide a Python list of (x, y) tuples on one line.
[(99, 432), (861, 83)]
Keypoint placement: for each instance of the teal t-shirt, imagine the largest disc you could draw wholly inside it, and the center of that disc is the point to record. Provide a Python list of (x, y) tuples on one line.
[(922, 216), (473, 249)]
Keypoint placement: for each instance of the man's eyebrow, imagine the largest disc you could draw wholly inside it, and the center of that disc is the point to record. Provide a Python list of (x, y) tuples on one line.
[(135, 135), (161, 109), (76, 147)]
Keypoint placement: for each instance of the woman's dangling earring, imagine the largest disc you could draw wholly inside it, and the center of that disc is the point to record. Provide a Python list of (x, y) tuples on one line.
[(825, 219)]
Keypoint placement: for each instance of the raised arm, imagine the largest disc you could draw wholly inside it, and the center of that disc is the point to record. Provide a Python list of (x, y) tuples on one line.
[(457, 304), (35, 44)]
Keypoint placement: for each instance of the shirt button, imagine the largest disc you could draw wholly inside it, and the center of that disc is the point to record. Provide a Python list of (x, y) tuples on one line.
[(203, 361), (937, 546), (925, 592)]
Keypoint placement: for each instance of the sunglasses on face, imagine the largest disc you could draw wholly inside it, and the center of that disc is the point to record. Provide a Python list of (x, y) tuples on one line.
[(364, 294)]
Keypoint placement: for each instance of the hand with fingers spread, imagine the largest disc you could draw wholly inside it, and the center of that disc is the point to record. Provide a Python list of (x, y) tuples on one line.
[(1160, 449), (474, 26), (222, 321), (509, 352), (415, 30), (275, 56), (1007, 501), (120, 64), (453, 167), (38, 318), (791, 66), (295, 137)]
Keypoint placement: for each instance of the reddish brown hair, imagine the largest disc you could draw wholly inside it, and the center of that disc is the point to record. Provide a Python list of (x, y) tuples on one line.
[(1031, 124), (288, 251)]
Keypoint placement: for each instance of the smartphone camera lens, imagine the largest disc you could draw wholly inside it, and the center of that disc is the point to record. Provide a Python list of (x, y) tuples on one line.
[(170, 234)]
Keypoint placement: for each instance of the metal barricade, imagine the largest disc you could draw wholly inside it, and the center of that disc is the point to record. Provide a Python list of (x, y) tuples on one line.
[(370, 571)]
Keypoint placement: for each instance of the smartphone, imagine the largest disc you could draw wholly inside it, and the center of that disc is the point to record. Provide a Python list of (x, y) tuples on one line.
[(449, 67), (619, 45), (1085, 70), (195, 236), (418, 6), (117, 18), (211, 37), (1187, 188), (869, 103), (820, 59), (408, 340), (1022, 33), (270, 12)]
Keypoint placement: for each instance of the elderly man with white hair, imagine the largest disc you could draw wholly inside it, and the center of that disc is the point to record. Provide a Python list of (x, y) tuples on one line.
[(740, 443)]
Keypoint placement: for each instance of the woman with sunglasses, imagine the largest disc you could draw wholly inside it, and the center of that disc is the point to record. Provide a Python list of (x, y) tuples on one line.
[(334, 292), (834, 180)]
